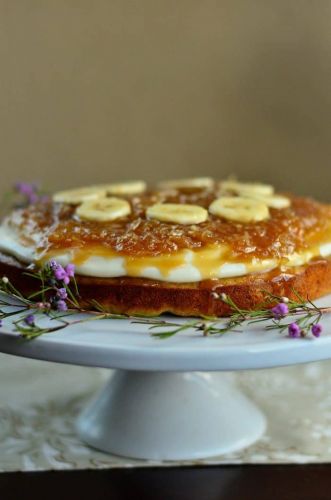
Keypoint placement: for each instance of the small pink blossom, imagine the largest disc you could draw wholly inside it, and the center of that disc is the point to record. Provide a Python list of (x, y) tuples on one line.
[(294, 330), (61, 305), (280, 310), (70, 270), (316, 330)]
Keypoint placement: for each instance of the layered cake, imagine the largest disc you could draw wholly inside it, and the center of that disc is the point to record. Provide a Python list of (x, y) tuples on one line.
[(176, 247)]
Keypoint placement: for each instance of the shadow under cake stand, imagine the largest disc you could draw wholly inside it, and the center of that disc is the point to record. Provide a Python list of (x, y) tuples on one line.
[(169, 399)]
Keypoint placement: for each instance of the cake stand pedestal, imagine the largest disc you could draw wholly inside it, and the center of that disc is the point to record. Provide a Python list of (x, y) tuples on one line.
[(169, 399), (170, 416)]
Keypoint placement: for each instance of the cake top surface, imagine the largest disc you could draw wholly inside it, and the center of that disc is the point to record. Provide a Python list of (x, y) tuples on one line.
[(298, 223)]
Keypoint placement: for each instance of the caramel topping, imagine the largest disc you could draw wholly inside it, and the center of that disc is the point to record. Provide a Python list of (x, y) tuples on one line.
[(305, 223)]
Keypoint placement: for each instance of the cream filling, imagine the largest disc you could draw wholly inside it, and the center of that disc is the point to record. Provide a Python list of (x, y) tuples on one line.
[(184, 267)]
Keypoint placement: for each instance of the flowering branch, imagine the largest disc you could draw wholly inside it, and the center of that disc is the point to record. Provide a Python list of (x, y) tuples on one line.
[(21, 195), (57, 298), (30, 193), (279, 312)]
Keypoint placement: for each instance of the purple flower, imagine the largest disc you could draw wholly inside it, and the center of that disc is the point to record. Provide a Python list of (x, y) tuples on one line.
[(294, 330), (70, 270), (29, 190), (316, 330), (59, 272), (25, 188), (280, 310), (62, 293), (62, 274), (29, 320), (66, 280), (61, 305)]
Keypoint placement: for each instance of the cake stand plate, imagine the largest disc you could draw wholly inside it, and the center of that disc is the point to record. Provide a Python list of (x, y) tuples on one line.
[(168, 399)]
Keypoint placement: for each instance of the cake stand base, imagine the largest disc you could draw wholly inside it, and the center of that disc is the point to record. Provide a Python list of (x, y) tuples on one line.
[(170, 416)]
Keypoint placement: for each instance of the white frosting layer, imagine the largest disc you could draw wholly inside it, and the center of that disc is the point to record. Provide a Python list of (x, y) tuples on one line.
[(187, 266)]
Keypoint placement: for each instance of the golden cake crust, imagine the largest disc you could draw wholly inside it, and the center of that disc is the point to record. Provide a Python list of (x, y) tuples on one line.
[(149, 297)]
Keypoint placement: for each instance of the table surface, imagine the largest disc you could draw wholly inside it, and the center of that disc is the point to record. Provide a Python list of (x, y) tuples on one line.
[(235, 482)]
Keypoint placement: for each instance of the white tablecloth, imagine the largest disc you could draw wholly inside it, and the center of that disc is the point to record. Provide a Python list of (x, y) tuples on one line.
[(39, 402)]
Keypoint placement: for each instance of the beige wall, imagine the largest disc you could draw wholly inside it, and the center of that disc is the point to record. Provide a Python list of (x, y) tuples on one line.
[(95, 90)]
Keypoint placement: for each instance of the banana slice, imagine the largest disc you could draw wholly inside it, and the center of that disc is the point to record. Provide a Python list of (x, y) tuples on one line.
[(79, 195), (274, 201), (246, 188), (195, 182), (123, 188), (239, 209), (104, 209), (177, 213)]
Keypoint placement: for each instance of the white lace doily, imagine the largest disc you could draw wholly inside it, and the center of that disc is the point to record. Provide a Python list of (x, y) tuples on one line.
[(39, 402)]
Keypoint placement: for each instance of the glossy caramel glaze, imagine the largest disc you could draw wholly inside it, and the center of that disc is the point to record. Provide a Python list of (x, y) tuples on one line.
[(304, 224)]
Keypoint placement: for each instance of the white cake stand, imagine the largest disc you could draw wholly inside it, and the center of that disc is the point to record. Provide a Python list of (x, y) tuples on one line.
[(164, 402)]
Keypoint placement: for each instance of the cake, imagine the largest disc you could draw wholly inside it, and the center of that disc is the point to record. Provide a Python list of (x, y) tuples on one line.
[(176, 247)]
